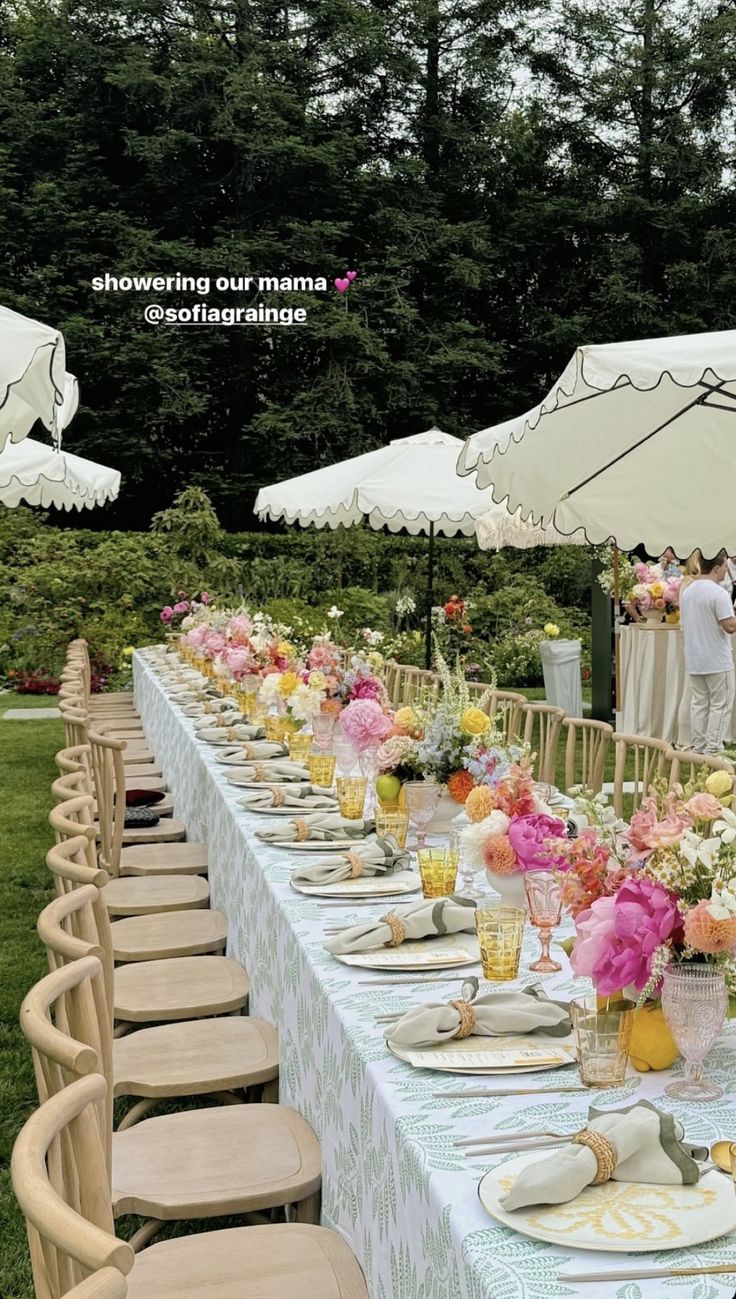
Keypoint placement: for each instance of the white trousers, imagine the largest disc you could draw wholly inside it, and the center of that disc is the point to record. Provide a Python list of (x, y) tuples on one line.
[(711, 706)]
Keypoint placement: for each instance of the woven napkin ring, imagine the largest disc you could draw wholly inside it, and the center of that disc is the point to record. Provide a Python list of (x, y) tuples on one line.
[(467, 1018), (356, 864), (249, 751), (279, 797), (232, 733), (259, 773), (605, 1154), (397, 927), (302, 828)]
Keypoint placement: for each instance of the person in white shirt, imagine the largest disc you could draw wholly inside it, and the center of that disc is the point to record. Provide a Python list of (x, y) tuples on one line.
[(708, 622)]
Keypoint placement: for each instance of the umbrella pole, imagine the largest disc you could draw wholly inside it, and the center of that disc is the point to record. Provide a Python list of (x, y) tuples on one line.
[(430, 597), (617, 635)]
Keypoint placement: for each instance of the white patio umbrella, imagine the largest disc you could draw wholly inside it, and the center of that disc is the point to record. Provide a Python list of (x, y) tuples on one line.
[(34, 474), (497, 528), (411, 483), (32, 370), (635, 443)]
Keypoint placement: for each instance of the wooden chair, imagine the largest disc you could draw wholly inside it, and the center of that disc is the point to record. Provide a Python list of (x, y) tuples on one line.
[(79, 756), (415, 685), (145, 992), (541, 731), (193, 1164), (77, 659), (69, 1214), (391, 681), (645, 759), (504, 706), (585, 753), (76, 731), (692, 763)]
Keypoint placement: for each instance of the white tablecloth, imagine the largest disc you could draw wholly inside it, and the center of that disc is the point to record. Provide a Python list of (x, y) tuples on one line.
[(394, 1185), (654, 685)]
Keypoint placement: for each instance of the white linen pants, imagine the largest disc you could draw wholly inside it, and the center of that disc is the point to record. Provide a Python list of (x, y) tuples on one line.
[(711, 705)]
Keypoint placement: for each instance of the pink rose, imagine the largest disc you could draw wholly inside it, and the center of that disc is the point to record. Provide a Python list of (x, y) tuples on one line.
[(365, 723), (167, 613), (366, 688), (529, 837), (704, 807), (646, 832), (322, 655), (618, 935), (238, 661), (205, 598), (181, 606)]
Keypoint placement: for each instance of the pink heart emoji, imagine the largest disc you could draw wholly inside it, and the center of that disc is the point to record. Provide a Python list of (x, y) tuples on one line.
[(342, 285), (352, 275)]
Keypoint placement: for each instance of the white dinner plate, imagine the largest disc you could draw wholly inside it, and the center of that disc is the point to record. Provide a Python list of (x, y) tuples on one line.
[(364, 887), (454, 1056), (445, 953), (617, 1217), (286, 811)]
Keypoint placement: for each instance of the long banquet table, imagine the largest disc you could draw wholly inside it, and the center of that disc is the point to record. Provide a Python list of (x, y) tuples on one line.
[(394, 1185)]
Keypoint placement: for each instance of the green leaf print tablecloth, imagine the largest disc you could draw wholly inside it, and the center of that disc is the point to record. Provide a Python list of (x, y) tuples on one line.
[(394, 1185)]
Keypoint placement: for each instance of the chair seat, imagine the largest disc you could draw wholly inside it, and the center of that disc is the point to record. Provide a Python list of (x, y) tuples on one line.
[(165, 859), (144, 782), (172, 933), (147, 895), (168, 830), (184, 987), (249, 1263), (190, 1059), (203, 1163), (134, 770), (137, 757)]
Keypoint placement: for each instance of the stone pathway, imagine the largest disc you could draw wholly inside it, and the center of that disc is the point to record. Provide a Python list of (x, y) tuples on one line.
[(30, 714)]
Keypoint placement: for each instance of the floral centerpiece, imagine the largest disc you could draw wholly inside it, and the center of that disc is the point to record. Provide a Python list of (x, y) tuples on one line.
[(173, 615), (656, 591), (511, 829)]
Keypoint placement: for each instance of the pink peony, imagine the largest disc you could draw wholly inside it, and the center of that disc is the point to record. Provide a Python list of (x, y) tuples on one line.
[(646, 832), (704, 807), (365, 724), (238, 660), (617, 936), (213, 644), (205, 598), (322, 655), (366, 688), (167, 613), (529, 837), (181, 606), (197, 636)]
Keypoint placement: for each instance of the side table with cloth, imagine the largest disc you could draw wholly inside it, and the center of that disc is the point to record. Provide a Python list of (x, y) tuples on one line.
[(654, 684), (394, 1183)]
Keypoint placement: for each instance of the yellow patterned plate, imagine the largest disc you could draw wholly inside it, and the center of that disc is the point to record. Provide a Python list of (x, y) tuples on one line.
[(490, 1056), (618, 1217)]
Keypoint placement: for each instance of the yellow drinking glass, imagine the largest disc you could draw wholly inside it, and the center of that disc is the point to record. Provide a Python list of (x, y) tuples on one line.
[(351, 792), (389, 822), (322, 769), (500, 932), (275, 728), (438, 869), (602, 1027), (300, 746)]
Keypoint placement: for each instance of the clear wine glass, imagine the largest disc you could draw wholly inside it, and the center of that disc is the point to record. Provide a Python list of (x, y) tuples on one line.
[(346, 755), (323, 724), (467, 873), (422, 797), (544, 896), (694, 1001)]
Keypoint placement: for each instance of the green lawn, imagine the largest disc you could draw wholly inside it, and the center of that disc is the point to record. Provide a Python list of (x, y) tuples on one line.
[(27, 761)]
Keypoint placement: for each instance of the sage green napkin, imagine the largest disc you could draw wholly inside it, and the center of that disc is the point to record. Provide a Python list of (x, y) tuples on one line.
[(274, 771), (324, 826), (430, 918), (228, 733), (377, 857), (497, 1014), (302, 798), (648, 1147), (251, 751)]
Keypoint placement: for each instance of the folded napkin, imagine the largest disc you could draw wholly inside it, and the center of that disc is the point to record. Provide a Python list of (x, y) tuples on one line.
[(495, 1014), (324, 825), (256, 751), (371, 857), (223, 733), (276, 772), (638, 1144), (430, 918), (303, 798)]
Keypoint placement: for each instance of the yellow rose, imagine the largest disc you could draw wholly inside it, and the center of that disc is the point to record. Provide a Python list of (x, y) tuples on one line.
[(406, 719), (317, 680), (128, 651), (719, 783), (474, 722), (288, 684), (551, 629), (285, 649), (656, 590)]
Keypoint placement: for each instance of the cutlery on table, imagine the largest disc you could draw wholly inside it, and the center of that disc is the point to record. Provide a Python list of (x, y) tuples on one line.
[(516, 1147), (505, 1137), (473, 1092), (397, 981), (643, 1274)]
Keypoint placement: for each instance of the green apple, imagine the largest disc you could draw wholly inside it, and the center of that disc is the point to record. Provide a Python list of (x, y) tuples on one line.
[(388, 788)]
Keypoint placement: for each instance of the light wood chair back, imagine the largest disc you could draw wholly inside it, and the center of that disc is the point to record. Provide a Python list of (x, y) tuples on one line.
[(68, 1035), (417, 685), (76, 758), (391, 681), (503, 706), (60, 1179), (645, 758), (541, 728), (686, 764), (109, 782), (585, 752), (72, 819), (76, 723)]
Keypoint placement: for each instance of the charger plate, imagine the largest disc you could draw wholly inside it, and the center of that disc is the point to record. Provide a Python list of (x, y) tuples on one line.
[(284, 811), (617, 1217), (446, 953), (458, 1056), (364, 887)]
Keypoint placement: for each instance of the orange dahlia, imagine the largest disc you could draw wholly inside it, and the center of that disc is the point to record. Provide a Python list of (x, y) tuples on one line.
[(460, 785), (708, 935), (498, 855), (479, 804)]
